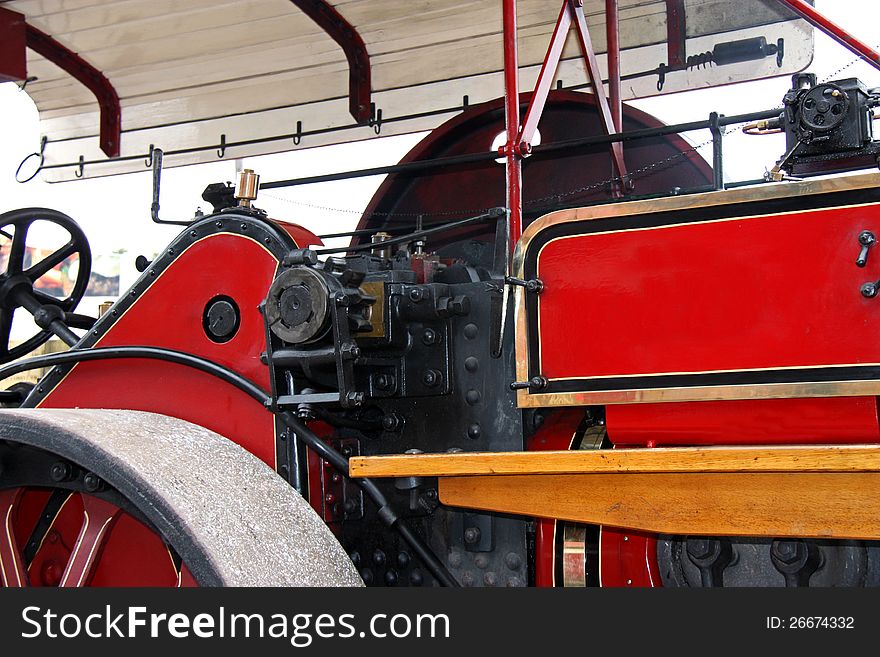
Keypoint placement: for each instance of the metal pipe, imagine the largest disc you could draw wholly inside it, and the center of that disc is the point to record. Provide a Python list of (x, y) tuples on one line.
[(717, 153), (492, 213), (407, 167), (440, 162), (844, 38)]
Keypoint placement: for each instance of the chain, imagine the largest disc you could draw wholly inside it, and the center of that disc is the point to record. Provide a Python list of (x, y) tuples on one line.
[(531, 203)]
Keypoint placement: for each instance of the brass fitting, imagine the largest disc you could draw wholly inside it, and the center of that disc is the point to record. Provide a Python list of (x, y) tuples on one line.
[(247, 188)]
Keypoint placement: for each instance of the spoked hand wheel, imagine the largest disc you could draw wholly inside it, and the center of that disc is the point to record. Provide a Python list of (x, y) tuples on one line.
[(19, 282)]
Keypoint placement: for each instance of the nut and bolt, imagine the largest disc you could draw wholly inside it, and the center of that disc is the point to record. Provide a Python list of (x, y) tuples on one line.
[(432, 378), (392, 422), (384, 381), (430, 337), (472, 535)]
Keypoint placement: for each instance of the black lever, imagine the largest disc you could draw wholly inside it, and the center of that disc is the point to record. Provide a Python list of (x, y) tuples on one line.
[(866, 240)]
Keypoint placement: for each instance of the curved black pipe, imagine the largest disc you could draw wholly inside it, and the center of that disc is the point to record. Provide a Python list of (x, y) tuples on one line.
[(338, 461)]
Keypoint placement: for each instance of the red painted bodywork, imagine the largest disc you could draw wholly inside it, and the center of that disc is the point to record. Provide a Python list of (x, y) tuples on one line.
[(627, 558), (754, 293), (557, 433), (833, 420), (169, 314)]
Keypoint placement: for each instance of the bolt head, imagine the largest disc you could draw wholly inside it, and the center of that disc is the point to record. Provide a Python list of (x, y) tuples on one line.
[(789, 552), (869, 290), (472, 535), (700, 548), (60, 471), (432, 378)]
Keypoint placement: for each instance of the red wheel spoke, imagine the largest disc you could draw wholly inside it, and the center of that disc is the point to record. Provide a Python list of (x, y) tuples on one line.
[(12, 571), (51, 261), (98, 518)]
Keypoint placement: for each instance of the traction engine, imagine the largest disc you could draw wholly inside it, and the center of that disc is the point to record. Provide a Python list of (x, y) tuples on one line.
[(668, 390)]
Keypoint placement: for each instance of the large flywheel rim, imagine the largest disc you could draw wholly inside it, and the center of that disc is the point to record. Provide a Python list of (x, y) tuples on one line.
[(231, 519)]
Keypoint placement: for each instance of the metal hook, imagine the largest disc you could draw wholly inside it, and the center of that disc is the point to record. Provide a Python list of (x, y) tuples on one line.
[(221, 152), (465, 101), (375, 118), (149, 161), (41, 154), (661, 76), (81, 168), (297, 137)]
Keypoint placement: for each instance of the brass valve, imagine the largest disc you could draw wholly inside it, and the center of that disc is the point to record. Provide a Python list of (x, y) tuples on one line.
[(247, 188)]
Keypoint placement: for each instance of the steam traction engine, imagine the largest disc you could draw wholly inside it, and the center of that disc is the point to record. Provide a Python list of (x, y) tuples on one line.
[(669, 389)]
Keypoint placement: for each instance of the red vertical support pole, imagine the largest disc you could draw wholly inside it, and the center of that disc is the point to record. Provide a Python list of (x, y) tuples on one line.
[(612, 30), (513, 164)]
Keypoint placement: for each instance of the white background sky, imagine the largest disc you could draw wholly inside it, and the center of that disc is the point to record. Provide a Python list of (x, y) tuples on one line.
[(114, 211)]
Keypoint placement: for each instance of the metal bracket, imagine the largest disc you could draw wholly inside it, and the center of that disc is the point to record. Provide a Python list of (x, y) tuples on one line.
[(535, 383), (375, 121), (535, 285)]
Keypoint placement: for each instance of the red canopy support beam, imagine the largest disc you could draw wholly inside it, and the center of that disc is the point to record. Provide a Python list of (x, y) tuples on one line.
[(346, 36), (612, 32), (676, 33), (808, 13), (13, 42), (92, 78), (511, 150)]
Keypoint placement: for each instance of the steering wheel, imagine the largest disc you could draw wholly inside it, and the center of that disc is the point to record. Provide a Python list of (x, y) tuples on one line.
[(17, 283)]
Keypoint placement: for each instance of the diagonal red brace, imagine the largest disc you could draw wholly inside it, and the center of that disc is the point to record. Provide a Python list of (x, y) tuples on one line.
[(572, 12), (808, 13)]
